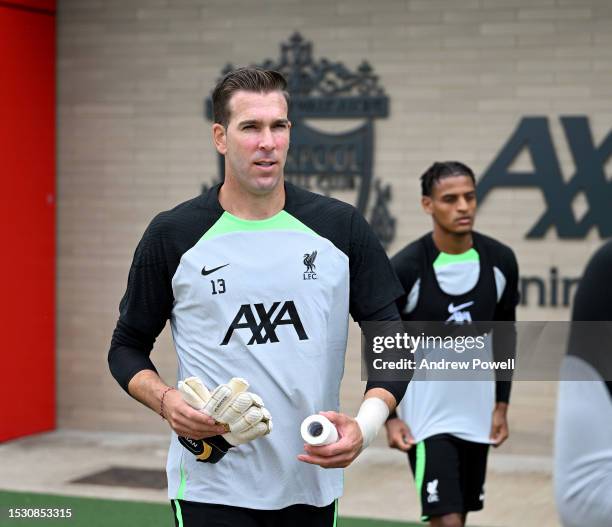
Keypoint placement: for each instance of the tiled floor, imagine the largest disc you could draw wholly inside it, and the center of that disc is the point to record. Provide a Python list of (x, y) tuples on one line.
[(378, 485)]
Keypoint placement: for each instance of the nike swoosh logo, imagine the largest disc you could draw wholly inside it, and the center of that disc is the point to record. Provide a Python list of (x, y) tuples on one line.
[(452, 308), (209, 271)]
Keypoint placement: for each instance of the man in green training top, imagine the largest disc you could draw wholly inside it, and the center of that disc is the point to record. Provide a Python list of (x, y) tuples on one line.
[(454, 275), (228, 269)]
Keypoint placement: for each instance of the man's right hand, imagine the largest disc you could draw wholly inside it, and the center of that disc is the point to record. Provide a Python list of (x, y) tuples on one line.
[(399, 435), (188, 422), (241, 414)]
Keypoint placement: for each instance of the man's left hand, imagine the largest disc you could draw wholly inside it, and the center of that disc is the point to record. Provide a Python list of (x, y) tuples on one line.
[(499, 427), (341, 453)]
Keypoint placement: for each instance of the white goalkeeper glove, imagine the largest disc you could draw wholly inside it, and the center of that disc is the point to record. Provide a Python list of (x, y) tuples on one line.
[(242, 413)]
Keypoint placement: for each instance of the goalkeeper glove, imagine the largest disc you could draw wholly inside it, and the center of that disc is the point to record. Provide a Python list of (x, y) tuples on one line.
[(242, 413)]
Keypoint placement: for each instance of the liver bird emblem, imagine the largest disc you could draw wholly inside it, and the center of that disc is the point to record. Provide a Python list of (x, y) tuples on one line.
[(309, 260)]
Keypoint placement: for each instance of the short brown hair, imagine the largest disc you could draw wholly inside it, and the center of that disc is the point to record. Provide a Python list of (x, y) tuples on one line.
[(248, 79)]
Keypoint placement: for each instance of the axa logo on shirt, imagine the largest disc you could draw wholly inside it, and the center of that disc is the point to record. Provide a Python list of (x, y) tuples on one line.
[(432, 491), (456, 313), (264, 330)]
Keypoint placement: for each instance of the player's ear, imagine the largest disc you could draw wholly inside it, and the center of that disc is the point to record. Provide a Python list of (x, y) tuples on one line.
[(219, 138), (427, 204)]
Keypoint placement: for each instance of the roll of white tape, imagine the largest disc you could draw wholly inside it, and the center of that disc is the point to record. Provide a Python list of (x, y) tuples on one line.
[(318, 430)]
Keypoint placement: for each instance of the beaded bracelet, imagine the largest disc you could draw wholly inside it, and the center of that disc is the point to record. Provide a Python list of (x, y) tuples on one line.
[(161, 408)]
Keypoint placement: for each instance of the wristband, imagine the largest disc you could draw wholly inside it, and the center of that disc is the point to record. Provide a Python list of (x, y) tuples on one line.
[(372, 414), (161, 406)]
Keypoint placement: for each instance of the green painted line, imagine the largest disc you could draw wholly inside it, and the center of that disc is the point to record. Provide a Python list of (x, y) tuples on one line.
[(86, 512), (371, 522), (92, 512)]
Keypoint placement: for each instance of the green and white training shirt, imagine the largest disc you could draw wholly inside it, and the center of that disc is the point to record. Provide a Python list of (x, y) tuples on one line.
[(264, 300)]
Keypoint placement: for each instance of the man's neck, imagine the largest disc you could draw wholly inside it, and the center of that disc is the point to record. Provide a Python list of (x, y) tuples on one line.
[(248, 206), (450, 243)]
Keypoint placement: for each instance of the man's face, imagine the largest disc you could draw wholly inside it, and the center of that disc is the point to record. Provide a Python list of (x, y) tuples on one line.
[(256, 140), (452, 204)]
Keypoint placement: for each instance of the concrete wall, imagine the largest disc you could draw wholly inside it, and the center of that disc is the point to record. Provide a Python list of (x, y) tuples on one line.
[(132, 77)]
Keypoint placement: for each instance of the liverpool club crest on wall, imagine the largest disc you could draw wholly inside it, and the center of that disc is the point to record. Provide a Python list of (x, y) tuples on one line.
[(338, 162)]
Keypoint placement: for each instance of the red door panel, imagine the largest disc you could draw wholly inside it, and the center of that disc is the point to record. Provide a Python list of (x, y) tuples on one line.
[(27, 219)]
